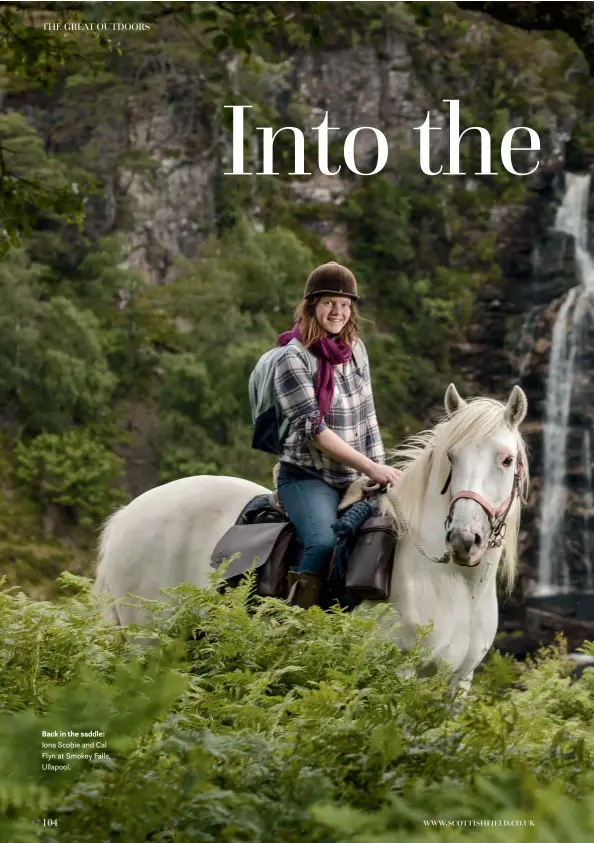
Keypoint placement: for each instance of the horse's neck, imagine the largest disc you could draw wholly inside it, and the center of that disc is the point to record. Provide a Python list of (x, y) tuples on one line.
[(433, 515)]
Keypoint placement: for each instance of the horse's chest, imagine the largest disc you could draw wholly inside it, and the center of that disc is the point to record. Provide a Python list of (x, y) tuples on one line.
[(471, 636), (464, 625)]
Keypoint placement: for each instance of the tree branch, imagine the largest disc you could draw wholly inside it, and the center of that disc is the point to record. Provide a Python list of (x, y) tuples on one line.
[(575, 19)]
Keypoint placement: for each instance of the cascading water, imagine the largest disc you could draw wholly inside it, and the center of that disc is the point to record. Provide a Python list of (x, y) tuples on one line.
[(571, 219), (553, 499), (588, 508)]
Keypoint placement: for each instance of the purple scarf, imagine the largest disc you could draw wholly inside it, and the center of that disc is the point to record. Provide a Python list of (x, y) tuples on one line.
[(330, 353)]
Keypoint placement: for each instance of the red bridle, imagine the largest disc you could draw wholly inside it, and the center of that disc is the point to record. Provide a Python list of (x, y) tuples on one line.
[(496, 516)]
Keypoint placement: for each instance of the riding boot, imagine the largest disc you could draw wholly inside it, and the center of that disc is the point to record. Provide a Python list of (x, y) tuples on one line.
[(305, 589)]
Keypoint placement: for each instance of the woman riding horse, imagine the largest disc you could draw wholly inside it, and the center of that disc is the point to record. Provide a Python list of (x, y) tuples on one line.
[(333, 434)]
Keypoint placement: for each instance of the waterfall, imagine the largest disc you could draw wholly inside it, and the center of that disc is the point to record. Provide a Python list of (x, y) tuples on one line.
[(588, 505), (558, 404), (571, 219)]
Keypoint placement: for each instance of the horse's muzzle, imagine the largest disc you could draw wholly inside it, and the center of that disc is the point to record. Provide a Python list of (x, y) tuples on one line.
[(466, 563), (466, 548)]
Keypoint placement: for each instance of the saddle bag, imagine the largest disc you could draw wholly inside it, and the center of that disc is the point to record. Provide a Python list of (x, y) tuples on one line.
[(264, 546), (369, 566)]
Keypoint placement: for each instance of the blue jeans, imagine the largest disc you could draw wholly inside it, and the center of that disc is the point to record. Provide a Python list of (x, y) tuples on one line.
[(312, 507)]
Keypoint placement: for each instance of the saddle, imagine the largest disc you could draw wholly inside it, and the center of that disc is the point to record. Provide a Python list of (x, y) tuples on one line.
[(263, 539)]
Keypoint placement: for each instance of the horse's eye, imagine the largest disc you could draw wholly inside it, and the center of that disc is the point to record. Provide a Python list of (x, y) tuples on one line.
[(508, 461)]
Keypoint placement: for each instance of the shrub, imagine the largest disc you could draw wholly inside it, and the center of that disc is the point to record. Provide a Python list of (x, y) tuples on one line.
[(261, 722), (72, 469)]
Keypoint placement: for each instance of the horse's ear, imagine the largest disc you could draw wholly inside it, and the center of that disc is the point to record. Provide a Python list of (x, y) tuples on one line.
[(453, 402), (517, 407)]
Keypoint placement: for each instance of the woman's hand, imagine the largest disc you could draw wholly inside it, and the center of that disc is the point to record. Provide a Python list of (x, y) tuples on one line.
[(385, 475)]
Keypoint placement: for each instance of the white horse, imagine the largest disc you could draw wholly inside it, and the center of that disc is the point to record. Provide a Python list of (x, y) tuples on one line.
[(457, 504)]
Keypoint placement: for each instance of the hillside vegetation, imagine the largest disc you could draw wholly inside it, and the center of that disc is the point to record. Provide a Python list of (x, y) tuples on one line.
[(248, 720), (90, 352), (262, 722)]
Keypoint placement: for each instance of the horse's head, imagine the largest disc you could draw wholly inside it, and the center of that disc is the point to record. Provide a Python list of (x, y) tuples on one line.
[(487, 471)]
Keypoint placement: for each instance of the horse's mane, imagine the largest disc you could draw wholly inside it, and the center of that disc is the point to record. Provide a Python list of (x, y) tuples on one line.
[(479, 418)]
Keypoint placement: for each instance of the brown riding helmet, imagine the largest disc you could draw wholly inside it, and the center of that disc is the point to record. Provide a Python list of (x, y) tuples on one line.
[(331, 279)]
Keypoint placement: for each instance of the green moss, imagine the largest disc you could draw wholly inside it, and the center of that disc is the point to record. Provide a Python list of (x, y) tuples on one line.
[(580, 147)]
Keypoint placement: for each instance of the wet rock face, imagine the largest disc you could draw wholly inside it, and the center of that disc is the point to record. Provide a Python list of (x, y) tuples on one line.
[(576, 539), (559, 375), (511, 341)]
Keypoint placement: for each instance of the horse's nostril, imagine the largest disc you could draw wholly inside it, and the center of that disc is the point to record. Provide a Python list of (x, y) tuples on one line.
[(477, 539), (449, 535)]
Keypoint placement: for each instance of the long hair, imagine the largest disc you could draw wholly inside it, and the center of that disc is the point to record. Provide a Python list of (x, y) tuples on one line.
[(311, 330)]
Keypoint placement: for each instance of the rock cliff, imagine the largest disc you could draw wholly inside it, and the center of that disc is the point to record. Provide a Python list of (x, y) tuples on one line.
[(510, 335), (398, 72)]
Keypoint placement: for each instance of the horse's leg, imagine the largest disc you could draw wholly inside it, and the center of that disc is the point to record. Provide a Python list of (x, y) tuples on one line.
[(463, 685), (458, 690)]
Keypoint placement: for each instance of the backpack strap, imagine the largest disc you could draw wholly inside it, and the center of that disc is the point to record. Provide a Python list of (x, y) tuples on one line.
[(312, 360), (360, 356)]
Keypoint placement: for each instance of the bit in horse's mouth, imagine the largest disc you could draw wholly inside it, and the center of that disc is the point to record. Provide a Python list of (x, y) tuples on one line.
[(464, 563)]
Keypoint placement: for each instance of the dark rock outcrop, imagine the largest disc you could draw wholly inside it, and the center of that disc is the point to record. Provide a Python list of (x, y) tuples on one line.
[(510, 342)]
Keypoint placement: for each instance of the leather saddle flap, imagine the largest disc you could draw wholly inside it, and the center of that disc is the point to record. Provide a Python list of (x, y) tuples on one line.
[(254, 542), (378, 523)]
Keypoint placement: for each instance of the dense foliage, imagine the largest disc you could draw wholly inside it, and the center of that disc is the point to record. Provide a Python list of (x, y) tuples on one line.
[(244, 722), (263, 722), (89, 344)]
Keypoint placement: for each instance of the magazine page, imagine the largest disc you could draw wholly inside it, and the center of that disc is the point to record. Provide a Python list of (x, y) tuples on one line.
[(296, 422)]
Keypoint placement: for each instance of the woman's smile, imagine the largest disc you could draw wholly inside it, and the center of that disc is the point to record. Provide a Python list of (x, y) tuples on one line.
[(333, 313)]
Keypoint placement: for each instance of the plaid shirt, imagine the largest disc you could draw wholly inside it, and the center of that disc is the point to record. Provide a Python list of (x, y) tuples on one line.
[(351, 416)]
